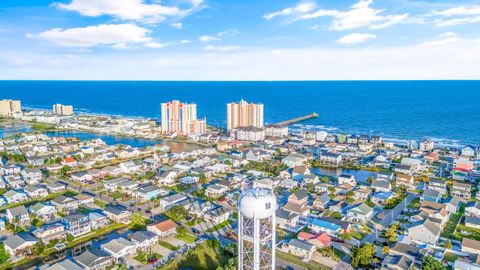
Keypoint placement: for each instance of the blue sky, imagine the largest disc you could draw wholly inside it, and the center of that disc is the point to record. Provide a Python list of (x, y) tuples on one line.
[(239, 40)]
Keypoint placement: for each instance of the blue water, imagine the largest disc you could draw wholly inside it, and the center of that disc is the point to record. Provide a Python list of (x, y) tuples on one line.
[(108, 139), (446, 111)]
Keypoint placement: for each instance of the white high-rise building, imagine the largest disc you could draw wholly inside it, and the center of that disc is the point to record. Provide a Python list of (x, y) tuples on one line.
[(256, 230), (10, 107), (244, 114), (181, 118), (61, 109)]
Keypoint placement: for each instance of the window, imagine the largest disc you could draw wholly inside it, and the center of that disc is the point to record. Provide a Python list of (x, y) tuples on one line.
[(267, 205)]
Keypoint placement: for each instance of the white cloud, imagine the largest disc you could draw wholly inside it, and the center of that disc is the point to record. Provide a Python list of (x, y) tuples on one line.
[(459, 11), (207, 38), (355, 38), (221, 48), (218, 36), (455, 60), (155, 45), (300, 8), (457, 16), (184, 41), (177, 25), (119, 35), (443, 39), (137, 10), (361, 14), (456, 21)]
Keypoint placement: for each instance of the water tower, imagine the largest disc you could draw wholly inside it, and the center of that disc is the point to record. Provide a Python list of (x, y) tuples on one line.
[(256, 230)]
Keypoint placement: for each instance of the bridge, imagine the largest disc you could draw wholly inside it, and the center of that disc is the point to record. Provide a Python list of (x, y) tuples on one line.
[(296, 120)]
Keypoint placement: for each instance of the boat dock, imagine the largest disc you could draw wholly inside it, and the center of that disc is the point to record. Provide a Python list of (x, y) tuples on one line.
[(298, 119)]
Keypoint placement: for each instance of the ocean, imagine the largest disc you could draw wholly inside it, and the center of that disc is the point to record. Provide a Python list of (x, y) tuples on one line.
[(444, 111)]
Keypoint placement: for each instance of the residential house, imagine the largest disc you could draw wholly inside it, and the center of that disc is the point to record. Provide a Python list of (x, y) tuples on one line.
[(144, 240), (167, 178), (360, 213), (216, 190), (118, 214), (404, 169), (169, 201), (20, 244), (286, 219), (77, 224), (43, 211), (18, 215), (325, 226), (35, 192), (461, 190), (347, 179), (32, 175), (149, 192), (66, 264), (66, 204), (470, 246), (331, 158), (321, 240), (472, 209), (406, 181), (119, 248), (217, 215), (299, 248), (13, 196), (472, 222), (164, 229), (396, 262), (294, 159), (82, 177), (94, 259), (55, 187), (424, 231), (438, 185), (431, 195), (380, 185), (50, 232), (113, 184), (98, 220)]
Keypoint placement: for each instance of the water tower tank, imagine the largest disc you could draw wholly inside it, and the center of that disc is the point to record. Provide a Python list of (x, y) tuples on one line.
[(256, 230)]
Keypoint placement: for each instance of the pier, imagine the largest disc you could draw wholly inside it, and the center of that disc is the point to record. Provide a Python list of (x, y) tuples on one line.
[(296, 120)]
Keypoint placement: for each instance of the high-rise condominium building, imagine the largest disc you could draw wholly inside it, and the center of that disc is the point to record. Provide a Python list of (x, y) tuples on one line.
[(62, 109), (10, 107), (181, 118), (244, 114)]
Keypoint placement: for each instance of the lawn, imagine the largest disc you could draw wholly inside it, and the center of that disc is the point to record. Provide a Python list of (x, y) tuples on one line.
[(186, 237), (3, 255), (464, 231), (415, 204), (167, 245), (143, 257), (203, 257), (138, 222), (449, 229), (219, 226), (311, 265), (449, 257), (338, 254)]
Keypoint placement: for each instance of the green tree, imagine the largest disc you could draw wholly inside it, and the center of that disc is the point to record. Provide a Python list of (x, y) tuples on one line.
[(336, 215), (391, 233), (430, 263), (448, 244), (38, 248), (363, 256), (64, 170), (385, 250)]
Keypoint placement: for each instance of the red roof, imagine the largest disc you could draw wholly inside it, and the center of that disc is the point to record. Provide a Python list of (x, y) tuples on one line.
[(69, 160)]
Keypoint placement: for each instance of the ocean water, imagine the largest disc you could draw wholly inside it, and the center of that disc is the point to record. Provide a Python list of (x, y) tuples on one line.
[(445, 111)]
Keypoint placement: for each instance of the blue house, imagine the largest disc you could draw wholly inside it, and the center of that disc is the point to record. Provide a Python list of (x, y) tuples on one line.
[(330, 228), (148, 192), (431, 195)]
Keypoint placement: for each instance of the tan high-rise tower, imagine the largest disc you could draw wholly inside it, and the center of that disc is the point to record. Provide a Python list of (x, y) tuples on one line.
[(181, 118), (244, 114), (10, 107)]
